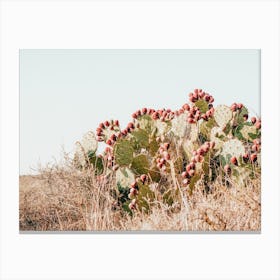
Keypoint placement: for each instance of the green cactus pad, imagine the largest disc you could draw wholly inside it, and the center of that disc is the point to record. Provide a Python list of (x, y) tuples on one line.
[(218, 136), (89, 142), (162, 127), (144, 197), (154, 173), (124, 177), (140, 164), (189, 147), (249, 132), (192, 132), (178, 165), (141, 138), (153, 146), (240, 114), (222, 115), (145, 123), (193, 182), (123, 152), (206, 126), (202, 105), (234, 148), (179, 125)]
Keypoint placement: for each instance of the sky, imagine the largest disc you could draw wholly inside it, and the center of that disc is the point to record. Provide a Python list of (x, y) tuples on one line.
[(66, 93)]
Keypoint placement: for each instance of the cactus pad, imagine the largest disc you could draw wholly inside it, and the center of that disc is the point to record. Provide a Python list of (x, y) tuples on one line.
[(89, 142), (162, 127), (141, 138), (217, 136), (240, 115), (124, 177), (180, 125), (140, 164), (202, 105), (222, 115), (249, 132), (233, 147), (123, 152)]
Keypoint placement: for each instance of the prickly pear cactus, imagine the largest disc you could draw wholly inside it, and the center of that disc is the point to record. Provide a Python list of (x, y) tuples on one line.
[(222, 115), (234, 148), (161, 153)]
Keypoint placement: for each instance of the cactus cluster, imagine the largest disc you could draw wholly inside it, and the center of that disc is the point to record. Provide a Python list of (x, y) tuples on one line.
[(161, 151)]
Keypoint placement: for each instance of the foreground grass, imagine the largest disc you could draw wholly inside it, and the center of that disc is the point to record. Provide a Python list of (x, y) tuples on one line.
[(63, 199)]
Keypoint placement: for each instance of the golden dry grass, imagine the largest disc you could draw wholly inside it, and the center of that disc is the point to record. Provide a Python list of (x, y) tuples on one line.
[(66, 199)]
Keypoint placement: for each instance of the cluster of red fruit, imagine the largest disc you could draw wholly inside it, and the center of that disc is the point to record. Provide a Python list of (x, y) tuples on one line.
[(256, 122), (112, 125), (252, 156), (198, 156), (162, 114), (164, 156), (134, 188), (108, 156), (194, 113), (255, 148)]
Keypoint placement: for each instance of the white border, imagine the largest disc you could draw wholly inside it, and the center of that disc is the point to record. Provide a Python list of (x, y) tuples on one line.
[(124, 24)]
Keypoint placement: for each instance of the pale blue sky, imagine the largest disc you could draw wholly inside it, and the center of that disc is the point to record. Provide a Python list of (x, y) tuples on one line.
[(65, 93)]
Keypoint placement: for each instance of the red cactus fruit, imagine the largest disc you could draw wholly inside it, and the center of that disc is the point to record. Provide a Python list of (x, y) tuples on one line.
[(132, 205), (253, 157), (212, 145), (245, 157), (134, 115), (186, 181), (113, 137), (227, 169), (245, 117), (191, 120), (184, 174), (199, 158), (106, 123), (233, 107), (143, 178), (116, 123), (203, 116), (255, 148), (144, 110), (133, 191), (191, 172), (192, 165), (206, 97), (195, 95), (201, 94), (133, 185), (130, 125), (166, 146), (253, 120), (257, 141), (155, 116), (234, 161), (101, 125), (186, 107), (258, 124), (239, 106)]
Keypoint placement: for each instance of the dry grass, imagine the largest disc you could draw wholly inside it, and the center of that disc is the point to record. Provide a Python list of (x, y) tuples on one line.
[(70, 200)]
